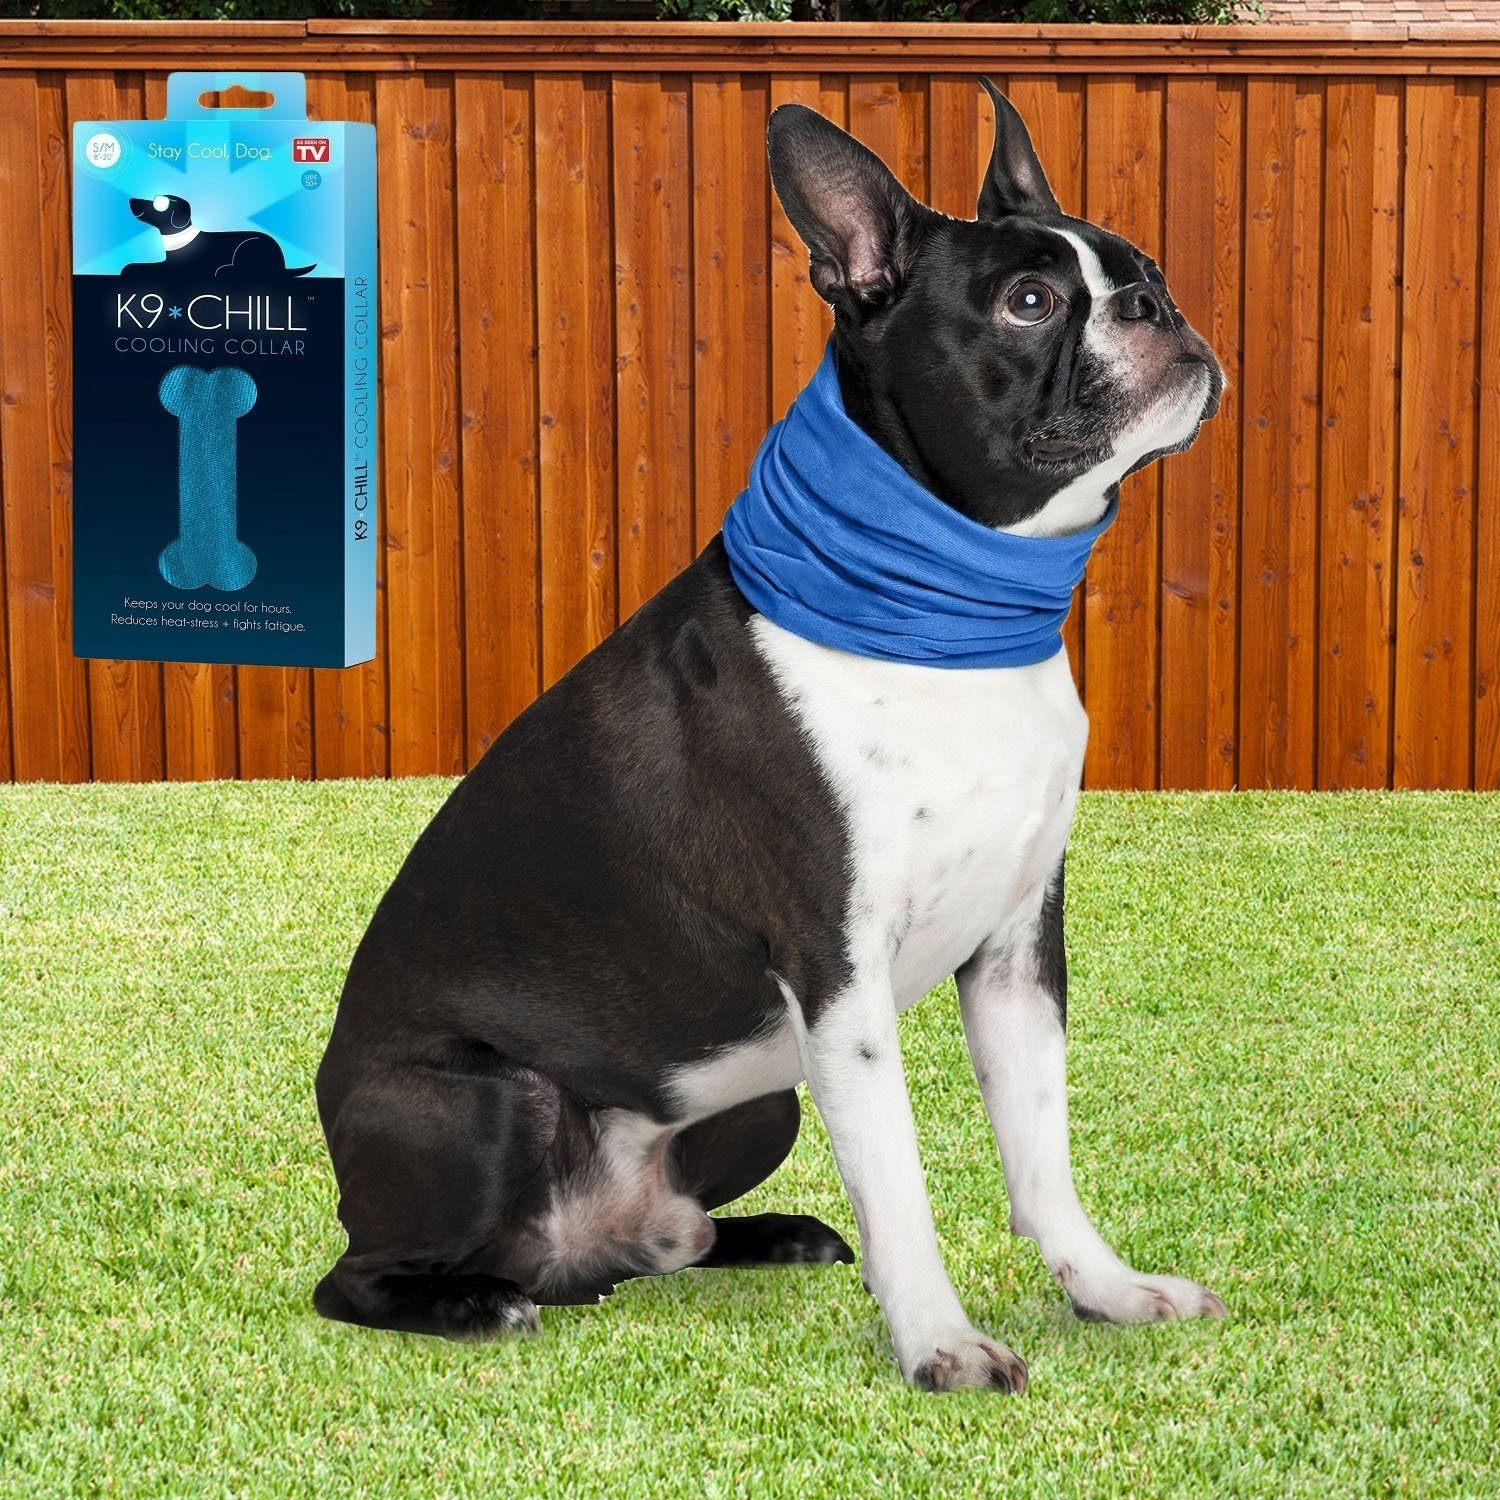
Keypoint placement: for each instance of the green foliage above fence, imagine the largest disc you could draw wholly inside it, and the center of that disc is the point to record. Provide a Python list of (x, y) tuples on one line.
[(1185, 12), (1109, 11)]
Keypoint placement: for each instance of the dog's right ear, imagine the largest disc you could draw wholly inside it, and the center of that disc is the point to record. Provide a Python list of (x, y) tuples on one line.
[(1015, 182), (858, 223)]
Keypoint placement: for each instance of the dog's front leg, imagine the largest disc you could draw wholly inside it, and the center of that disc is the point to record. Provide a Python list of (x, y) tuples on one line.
[(852, 1058), (1013, 994)]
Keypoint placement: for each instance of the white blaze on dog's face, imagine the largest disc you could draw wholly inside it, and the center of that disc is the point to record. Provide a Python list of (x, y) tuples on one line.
[(1164, 377), (1018, 364)]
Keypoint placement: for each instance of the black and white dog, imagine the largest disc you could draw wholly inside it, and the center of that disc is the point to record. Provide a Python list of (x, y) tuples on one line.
[(717, 859), (218, 254)]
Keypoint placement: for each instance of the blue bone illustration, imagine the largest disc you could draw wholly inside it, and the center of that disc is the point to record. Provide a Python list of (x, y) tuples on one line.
[(207, 550)]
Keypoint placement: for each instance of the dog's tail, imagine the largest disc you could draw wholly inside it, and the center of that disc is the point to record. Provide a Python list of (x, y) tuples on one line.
[(301, 270)]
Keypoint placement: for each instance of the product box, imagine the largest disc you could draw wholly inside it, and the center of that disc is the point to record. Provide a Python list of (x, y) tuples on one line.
[(225, 344)]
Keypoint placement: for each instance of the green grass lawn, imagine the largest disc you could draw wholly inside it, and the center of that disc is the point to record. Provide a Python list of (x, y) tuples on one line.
[(1284, 1042)]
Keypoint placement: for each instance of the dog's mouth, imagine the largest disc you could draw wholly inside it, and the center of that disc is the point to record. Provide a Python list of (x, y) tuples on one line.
[(1196, 357)]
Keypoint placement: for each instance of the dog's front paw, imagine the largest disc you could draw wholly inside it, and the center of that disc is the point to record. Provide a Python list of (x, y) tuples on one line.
[(1120, 1295), (967, 1358)]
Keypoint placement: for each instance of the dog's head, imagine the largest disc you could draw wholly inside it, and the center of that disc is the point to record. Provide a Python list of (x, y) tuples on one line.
[(1018, 364), (165, 212)]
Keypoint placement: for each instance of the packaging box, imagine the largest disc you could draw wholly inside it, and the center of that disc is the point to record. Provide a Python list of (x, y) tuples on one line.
[(225, 345)]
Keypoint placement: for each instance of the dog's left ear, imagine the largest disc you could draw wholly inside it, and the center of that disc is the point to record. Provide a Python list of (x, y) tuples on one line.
[(182, 214), (858, 223), (1015, 182)]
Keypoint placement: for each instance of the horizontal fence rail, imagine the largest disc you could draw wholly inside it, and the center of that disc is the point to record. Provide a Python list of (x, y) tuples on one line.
[(592, 307)]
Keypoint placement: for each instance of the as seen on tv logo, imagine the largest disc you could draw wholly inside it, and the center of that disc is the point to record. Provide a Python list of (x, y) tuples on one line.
[(310, 148)]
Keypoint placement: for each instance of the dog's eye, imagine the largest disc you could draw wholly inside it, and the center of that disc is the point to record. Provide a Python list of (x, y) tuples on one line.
[(159, 203), (1028, 303), (1154, 276)]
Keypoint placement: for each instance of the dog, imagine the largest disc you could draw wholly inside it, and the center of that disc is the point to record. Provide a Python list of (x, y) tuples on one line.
[(199, 254), (717, 858)]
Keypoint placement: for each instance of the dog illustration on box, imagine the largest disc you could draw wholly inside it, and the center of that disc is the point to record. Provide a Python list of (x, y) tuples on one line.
[(207, 254)]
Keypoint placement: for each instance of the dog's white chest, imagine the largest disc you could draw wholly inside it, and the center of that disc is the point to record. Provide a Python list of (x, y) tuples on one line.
[(958, 788)]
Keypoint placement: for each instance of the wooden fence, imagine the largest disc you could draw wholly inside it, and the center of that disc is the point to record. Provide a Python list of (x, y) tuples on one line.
[(592, 308)]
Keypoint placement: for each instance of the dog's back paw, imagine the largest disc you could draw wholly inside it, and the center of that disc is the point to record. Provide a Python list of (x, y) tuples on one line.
[(775, 1240), (469, 1308)]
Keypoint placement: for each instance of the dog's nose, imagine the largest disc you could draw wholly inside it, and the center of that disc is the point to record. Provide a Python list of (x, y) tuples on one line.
[(1142, 303)]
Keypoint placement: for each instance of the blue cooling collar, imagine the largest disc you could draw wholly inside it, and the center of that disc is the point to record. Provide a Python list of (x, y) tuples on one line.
[(833, 540)]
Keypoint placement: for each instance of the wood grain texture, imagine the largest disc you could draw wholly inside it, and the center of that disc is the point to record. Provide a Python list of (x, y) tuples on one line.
[(497, 327), (731, 291), (575, 351), (1435, 533), (954, 143), (592, 308), (1279, 501), (424, 588), (49, 705), (1200, 489), (1053, 111), (275, 722), (652, 213), (889, 114), (1361, 358), (350, 709), (126, 706), (1123, 192), (115, 706), (1487, 495)]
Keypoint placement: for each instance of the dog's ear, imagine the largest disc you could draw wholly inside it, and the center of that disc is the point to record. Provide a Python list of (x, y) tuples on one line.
[(858, 223), (181, 213), (1015, 182)]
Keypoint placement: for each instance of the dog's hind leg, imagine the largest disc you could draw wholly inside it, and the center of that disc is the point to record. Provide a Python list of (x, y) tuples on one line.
[(437, 1163), (722, 1157)]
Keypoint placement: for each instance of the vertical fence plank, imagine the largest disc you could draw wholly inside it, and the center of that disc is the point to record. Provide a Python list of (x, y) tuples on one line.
[(953, 142), (48, 686), (1278, 561), (653, 332), (875, 116), (1487, 496), (1200, 492), (1052, 107), (800, 319), (1434, 554), (198, 706), (731, 389), (1123, 191), (1361, 337), (349, 704), (198, 699), (115, 705), (125, 697), (912, 135), (889, 114), (7, 738), (275, 722), (424, 589), (575, 351), (497, 333)]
